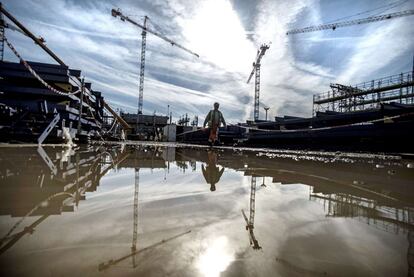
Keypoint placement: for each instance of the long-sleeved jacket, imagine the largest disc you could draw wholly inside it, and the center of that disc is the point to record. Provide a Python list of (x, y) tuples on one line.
[(214, 117), (212, 173)]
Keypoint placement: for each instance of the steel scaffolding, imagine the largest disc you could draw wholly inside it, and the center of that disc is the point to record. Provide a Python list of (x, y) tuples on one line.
[(367, 95)]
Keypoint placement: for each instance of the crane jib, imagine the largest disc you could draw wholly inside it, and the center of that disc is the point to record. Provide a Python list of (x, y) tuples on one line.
[(360, 21), (116, 13)]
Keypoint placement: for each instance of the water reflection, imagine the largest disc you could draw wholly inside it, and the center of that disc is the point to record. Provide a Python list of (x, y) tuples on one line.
[(250, 221), (34, 184), (211, 172), (135, 252), (179, 227)]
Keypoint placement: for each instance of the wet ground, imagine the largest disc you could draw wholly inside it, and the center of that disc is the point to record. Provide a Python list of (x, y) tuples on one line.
[(128, 210)]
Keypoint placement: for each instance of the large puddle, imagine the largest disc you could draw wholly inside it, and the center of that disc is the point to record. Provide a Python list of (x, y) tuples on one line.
[(124, 210)]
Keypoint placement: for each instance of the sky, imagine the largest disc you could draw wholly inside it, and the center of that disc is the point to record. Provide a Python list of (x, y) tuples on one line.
[(226, 34)]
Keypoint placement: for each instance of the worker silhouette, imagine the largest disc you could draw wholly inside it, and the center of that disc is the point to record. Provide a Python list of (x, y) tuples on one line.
[(214, 118), (212, 173)]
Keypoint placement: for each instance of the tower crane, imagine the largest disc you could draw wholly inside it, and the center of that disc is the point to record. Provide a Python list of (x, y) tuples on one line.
[(145, 30), (360, 21), (256, 71), (250, 221), (1, 35)]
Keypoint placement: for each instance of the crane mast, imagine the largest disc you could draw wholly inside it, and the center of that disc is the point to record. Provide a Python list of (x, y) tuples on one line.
[(256, 71), (360, 21), (1, 35), (145, 30), (142, 68)]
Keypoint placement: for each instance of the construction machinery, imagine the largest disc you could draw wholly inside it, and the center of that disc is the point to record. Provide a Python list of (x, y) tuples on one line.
[(334, 26), (145, 30), (256, 71), (250, 221)]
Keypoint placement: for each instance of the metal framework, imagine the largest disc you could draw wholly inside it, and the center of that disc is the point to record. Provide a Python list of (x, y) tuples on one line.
[(256, 71), (366, 95), (334, 26)]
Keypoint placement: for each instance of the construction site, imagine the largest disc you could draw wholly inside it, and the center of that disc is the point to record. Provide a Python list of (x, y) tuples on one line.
[(53, 103), (101, 177)]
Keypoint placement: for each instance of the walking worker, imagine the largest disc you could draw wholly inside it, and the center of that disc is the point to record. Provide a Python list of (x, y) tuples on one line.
[(214, 118)]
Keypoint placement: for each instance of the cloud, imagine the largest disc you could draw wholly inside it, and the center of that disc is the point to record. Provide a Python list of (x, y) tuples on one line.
[(381, 46), (284, 78)]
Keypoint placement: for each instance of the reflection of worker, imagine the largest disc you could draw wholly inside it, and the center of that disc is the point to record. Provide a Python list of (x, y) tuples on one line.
[(211, 172), (214, 119)]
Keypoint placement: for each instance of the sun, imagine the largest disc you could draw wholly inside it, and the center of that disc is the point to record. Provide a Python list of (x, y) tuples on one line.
[(216, 32)]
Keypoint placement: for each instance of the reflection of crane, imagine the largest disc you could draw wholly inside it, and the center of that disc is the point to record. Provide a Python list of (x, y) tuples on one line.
[(250, 221), (410, 253), (16, 237), (145, 29), (103, 266), (134, 251), (360, 21), (256, 71), (135, 232)]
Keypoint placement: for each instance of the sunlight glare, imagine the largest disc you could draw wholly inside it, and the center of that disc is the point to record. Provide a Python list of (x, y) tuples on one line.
[(217, 34), (216, 258)]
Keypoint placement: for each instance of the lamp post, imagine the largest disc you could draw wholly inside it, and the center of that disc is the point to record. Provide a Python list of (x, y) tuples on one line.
[(266, 109), (263, 185)]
